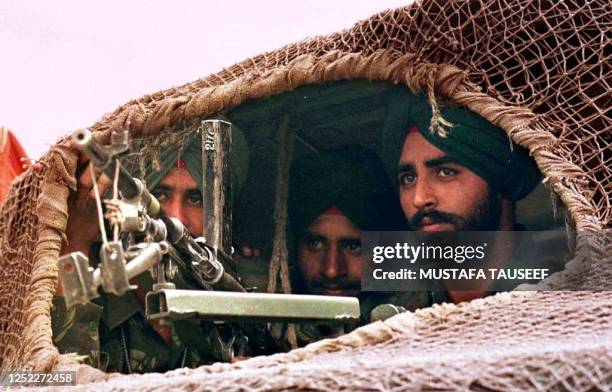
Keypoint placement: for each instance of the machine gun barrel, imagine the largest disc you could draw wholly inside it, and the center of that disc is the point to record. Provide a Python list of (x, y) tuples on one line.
[(208, 268)]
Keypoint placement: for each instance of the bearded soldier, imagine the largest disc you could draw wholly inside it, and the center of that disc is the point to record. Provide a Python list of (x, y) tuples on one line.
[(466, 177)]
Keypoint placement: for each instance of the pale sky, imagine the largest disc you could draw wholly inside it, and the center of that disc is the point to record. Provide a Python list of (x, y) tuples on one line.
[(63, 64)]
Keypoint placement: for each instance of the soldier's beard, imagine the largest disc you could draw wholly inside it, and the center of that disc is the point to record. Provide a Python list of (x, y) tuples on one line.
[(485, 216)]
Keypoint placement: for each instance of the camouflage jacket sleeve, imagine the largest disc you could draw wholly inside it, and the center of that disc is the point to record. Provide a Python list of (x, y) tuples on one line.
[(75, 330), (115, 336)]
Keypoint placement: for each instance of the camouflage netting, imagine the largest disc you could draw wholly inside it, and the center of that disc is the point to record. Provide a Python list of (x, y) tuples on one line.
[(538, 69)]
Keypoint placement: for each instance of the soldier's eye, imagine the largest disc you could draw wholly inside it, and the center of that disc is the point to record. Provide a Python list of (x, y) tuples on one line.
[(353, 247), (161, 196), (406, 179), (194, 199), (314, 243), (446, 172)]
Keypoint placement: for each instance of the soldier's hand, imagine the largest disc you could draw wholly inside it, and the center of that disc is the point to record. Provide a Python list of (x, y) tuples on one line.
[(83, 226)]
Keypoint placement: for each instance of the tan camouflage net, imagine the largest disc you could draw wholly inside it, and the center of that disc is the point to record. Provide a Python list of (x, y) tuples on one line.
[(476, 346), (538, 69)]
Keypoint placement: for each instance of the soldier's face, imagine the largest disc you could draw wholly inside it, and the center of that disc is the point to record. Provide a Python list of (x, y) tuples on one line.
[(329, 256), (179, 195), (438, 194)]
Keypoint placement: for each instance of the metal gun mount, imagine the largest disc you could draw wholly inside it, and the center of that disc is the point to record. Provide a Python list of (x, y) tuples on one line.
[(80, 282), (169, 248), (252, 307)]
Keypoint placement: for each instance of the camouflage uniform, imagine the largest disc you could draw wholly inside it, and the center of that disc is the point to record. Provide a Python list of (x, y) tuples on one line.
[(115, 328), (111, 329)]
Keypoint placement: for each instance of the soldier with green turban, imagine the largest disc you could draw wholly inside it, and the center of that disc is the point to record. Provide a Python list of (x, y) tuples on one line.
[(469, 140), (465, 176), (113, 331)]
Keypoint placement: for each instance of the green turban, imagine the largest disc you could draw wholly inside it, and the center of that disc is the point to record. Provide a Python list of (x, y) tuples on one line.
[(471, 141), (191, 154), (351, 178)]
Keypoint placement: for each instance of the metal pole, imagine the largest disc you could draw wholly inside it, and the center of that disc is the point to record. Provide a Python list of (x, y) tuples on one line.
[(217, 188)]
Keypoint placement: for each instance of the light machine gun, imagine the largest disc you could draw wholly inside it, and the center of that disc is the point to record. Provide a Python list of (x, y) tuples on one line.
[(146, 238)]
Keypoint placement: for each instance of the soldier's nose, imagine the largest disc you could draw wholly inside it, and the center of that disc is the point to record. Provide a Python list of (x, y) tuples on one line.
[(424, 196), (175, 209), (333, 264)]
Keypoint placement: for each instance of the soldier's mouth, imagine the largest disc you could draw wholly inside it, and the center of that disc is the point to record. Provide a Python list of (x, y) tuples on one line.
[(432, 225), (436, 227), (337, 291)]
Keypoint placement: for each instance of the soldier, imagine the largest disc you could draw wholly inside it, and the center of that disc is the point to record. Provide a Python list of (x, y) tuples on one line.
[(467, 179), (113, 332), (333, 196)]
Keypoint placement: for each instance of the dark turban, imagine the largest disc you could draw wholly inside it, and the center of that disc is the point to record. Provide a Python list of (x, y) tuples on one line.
[(351, 178), (191, 155), (471, 141)]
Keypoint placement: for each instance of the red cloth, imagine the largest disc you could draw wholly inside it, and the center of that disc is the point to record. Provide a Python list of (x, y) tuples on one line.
[(332, 210), (11, 153), (181, 164), (412, 128)]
